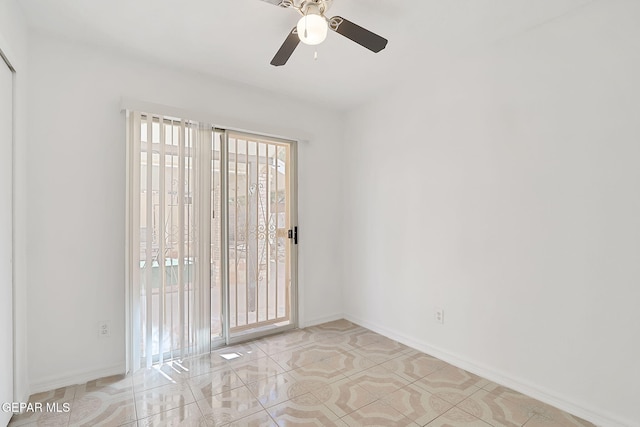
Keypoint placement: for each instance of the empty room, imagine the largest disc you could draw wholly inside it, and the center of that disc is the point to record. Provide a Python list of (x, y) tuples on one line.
[(320, 213)]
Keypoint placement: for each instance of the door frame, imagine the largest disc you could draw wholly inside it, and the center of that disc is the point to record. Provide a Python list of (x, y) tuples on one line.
[(11, 285), (251, 334)]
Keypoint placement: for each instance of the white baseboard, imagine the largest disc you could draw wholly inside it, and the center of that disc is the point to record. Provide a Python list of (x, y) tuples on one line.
[(323, 319), (80, 377), (71, 378), (535, 391)]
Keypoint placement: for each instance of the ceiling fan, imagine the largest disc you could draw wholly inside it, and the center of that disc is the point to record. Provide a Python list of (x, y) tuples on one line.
[(312, 28)]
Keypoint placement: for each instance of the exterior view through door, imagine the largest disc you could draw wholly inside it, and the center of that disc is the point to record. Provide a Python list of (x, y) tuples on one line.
[(210, 258)]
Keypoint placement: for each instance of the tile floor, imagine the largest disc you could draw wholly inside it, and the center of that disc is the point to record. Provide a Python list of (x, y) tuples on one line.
[(335, 374)]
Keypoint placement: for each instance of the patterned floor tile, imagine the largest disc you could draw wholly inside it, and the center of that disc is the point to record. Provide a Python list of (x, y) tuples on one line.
[(337, 369), (42, 419), (414, 365), (365, 337), (285, 341), (62, 394), (543, 412), (417, 404), (451, 384), (341, 325), (338, 332), (376, 355), (176, 369), (529, 404), (379, 381), (184, 416), (308, 413), (230, 405), (292, 358), (240, 353), (343, 396), (301, 356), (495, 409), (325, 350), (557, 418), (258, 369), (196, 366), (328, 336), (385, 344), (96, 408), (377, 414), (513, 395), (315, 375), (59, 396), (348, 363), (205, 386), (336, 338), (275, 390), (161, 399), (106, 388), (259, 419), (148, 378), (355, 331), (457, 418), (48, 419)]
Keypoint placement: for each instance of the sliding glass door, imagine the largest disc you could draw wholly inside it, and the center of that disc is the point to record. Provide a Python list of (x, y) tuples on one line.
[(211, 245)]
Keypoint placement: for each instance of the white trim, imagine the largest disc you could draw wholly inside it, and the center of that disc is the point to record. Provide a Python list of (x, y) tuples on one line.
[(17, 66), (53, 382), (320, 320), (535, 391), (10, 287), (227, 123)]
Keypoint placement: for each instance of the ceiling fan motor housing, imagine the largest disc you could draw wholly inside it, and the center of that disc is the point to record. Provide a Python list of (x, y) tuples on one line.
[(316, 7)]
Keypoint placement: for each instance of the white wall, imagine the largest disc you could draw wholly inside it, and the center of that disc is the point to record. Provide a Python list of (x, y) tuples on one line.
[(14, 44), (76, 196), (505, 189)]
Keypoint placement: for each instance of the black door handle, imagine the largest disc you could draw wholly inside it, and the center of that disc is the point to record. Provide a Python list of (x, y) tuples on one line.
[(293, 234)]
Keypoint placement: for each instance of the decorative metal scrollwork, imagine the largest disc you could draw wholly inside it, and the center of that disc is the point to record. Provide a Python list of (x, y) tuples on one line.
[(335, 22)]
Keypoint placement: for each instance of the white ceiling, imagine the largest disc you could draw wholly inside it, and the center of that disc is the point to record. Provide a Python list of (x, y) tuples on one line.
[(236, 39)]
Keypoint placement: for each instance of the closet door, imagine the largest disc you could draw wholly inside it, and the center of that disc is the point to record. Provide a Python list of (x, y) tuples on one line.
[(6, 238)]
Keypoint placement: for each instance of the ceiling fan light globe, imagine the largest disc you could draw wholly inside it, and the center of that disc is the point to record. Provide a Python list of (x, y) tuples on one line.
[(312, 29)]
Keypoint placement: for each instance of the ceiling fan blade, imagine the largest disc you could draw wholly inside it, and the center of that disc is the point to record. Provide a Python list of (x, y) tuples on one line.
[(281, 3), (360, 35), (287, 48)]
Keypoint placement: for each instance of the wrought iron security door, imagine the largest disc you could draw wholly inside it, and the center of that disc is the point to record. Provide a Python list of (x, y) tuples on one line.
[(260, 196)]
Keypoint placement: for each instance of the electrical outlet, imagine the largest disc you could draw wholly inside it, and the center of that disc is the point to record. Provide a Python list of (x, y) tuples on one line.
[(439, 315), (104, 329)]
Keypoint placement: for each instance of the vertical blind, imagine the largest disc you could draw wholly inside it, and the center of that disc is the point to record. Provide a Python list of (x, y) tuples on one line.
[(180, 173), (170, 182)]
